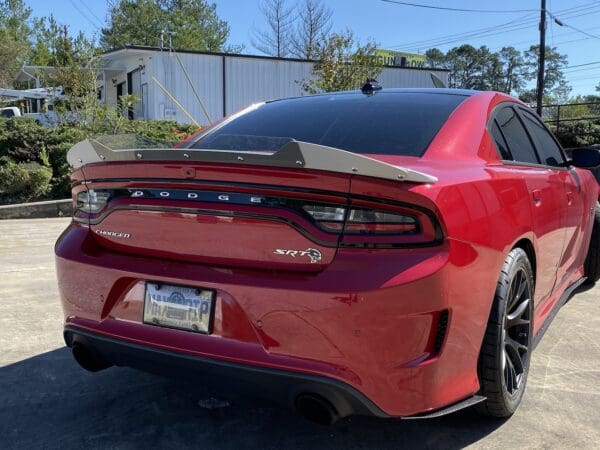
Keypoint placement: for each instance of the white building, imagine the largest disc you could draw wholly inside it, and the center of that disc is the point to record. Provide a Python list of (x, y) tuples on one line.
[(224, 82)]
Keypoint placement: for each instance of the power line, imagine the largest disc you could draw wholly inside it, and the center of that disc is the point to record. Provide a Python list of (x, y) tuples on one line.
[(100, 21), (585, 69), (443, 8), (82, 14), (581, 31), (442, 40), (514, 25), (570, 33), (581, 65)]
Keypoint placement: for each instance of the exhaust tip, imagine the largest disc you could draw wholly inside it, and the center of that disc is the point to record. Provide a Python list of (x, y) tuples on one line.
[(88, 360), (317, 409)]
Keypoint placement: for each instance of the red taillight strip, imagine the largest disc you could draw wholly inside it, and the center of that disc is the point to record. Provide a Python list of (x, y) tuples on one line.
[(425, 232)]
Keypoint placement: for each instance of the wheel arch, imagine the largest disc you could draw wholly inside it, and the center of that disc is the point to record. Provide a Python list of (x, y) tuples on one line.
[(527, 246)]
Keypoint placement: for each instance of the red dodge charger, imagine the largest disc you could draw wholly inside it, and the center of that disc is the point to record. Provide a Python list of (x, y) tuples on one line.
[(396, 253)]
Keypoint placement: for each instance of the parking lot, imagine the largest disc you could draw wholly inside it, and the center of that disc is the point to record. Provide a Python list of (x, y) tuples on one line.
[(47, 401)]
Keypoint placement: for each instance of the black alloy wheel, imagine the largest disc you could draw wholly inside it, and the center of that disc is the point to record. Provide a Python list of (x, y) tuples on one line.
[(507, 344)]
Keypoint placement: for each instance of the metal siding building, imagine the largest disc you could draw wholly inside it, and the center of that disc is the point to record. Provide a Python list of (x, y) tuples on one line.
[(225, 83)]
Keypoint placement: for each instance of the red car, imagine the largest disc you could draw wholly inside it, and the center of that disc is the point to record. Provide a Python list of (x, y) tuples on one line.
[(395, 253)]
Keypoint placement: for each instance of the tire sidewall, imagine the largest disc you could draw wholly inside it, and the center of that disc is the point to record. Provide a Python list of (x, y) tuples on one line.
[(520, 262)]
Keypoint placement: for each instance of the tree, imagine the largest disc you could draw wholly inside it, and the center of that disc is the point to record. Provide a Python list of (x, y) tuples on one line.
[(342, 64), (14, 34), (467, 65), (185, 24), (275, 40), (507, 70), (314, 24), (556, 87), (513, 70), (434, 57)]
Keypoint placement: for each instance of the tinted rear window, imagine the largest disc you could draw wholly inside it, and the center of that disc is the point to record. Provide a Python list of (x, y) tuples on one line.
[(391, 123)]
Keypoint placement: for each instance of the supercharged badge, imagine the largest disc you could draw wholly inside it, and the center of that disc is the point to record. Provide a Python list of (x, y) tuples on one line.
[(312, 253)]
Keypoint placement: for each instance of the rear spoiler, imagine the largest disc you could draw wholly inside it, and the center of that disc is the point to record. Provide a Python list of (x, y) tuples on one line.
[(294, 154)]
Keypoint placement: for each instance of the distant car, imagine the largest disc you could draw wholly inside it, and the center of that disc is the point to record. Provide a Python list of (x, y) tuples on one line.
[(391, 252), (46, 119), (9, 112)]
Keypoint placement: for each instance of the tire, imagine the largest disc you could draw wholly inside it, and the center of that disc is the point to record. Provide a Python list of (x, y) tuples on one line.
[(591, 267), (503, 363)]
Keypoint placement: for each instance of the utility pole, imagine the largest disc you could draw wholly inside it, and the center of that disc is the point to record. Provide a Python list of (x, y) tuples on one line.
[(542, 59)]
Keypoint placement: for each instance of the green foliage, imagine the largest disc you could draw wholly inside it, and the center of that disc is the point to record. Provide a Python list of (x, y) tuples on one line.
[(342, 65), (507, 70), (14, 33), (580, 133), (556, 88), (23, 181), (22, 139), (191, 24), (34, 157)]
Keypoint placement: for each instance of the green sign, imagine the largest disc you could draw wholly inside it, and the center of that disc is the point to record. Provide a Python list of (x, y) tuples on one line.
[(401, 59)]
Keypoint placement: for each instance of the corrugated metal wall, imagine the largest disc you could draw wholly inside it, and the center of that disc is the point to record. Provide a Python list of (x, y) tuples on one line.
[(205, 71), (249, 81), (228, 83)]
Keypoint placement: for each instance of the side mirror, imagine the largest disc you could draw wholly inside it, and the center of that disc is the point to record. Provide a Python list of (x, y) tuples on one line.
[(585, 157)]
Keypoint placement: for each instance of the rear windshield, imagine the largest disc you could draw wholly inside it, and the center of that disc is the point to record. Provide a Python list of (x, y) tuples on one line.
[(392, 123)]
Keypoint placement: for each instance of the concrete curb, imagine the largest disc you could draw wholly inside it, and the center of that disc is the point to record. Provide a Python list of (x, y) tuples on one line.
[(51, 208)]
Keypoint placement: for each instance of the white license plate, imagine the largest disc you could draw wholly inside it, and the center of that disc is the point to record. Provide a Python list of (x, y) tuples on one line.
[(181, 307)]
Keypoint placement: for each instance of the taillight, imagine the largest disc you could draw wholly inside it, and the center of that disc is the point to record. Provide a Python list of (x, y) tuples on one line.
[(329, 218), (92, 200), (367, 221), (360, 224)]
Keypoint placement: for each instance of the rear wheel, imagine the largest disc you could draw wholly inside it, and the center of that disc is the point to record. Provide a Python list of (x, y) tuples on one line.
[(592, 261), (506, 351)]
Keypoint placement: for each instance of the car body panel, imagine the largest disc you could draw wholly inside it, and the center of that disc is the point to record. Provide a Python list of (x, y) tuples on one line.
[(366, 316)]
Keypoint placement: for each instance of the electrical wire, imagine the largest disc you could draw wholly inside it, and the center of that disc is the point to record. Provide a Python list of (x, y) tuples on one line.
[(510, 26), (581, 65), (444, 8), (560, 35), (581, 31), (82, 14), (100, 21)]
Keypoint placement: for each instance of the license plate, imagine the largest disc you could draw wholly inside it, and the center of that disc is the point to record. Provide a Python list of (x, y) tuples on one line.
[(181, 307)]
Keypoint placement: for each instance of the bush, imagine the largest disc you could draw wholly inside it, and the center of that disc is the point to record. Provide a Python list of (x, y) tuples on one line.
[(30, 151), (23, 181), (579, 133), (22, 138)]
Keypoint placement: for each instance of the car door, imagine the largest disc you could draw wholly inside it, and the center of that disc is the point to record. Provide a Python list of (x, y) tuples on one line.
[(552, 155), (547, 198)]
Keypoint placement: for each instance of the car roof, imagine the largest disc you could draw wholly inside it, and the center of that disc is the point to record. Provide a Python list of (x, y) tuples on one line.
[(384, 91)]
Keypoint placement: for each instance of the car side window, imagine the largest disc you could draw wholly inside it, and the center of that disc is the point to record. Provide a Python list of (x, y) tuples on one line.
[(517, 139), (547, 147), (500, 142)]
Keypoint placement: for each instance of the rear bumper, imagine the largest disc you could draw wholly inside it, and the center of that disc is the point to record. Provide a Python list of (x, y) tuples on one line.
[(281, 386), (366, 329)]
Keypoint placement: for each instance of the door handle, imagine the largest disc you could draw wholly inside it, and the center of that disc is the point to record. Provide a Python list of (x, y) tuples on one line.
[(537, 197)]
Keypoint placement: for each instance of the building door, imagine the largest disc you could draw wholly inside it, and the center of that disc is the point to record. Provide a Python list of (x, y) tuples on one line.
[(134, 87), (120, 91)]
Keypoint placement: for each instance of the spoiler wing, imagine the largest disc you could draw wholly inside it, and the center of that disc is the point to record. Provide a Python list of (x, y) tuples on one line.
[(294, 154)]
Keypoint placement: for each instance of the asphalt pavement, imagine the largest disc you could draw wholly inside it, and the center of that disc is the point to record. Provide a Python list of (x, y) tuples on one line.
[(47, 401)]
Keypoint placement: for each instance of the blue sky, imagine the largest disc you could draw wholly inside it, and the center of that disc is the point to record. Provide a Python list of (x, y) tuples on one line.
[(409, 28)]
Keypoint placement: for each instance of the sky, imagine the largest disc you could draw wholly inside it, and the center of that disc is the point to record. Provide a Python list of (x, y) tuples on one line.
[(408, 28)]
